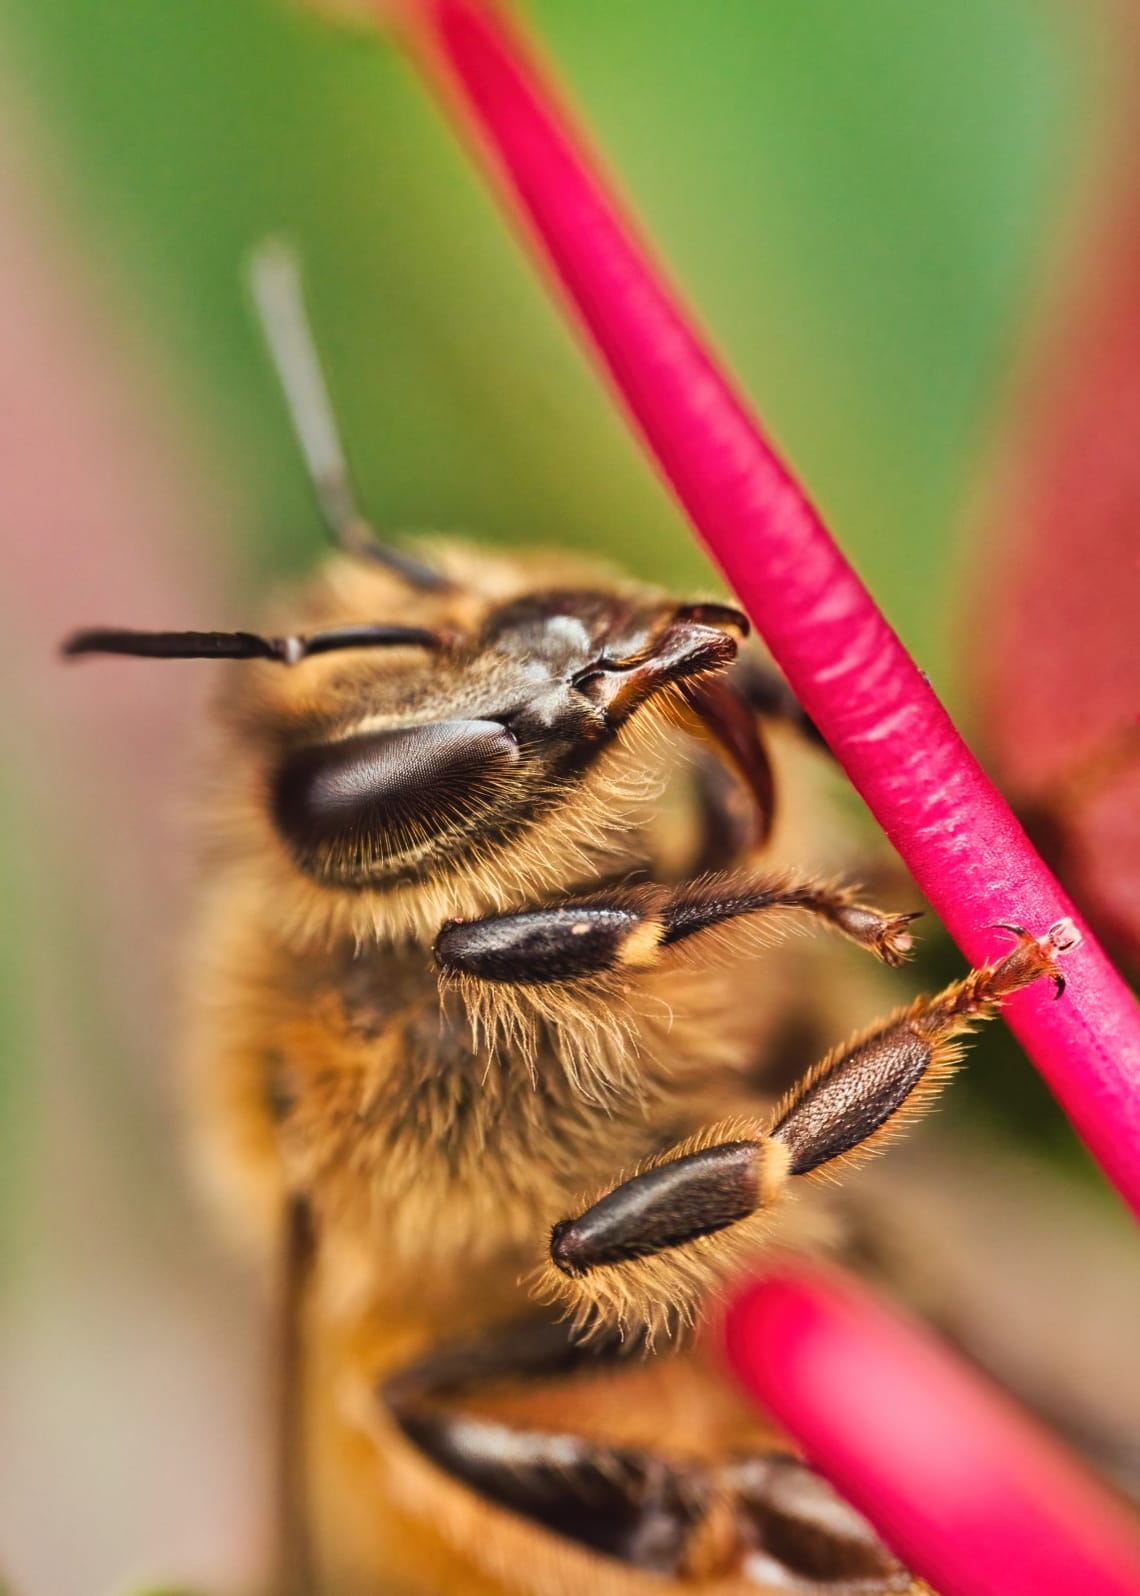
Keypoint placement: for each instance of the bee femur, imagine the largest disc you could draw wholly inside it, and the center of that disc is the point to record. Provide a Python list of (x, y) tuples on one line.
[(245, 645)]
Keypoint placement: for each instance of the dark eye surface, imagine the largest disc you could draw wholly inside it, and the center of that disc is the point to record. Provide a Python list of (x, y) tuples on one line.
[(344, 805)]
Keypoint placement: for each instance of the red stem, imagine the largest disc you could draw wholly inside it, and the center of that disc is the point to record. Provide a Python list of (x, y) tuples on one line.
[(970, 1493), (853, 676)]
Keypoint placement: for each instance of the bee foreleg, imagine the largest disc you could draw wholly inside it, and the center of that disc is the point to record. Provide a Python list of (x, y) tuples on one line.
[(727, 822), (647, 1250), (632, 928), (766, 693), (730, 710)]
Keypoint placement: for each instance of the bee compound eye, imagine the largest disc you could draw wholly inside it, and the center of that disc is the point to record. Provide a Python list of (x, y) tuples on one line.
[(338, 803)]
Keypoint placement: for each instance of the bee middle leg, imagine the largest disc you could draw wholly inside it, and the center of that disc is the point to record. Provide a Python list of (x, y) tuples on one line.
[(646, 1251)]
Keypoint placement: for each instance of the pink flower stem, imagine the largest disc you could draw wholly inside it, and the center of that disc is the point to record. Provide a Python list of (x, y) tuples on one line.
[(970, 1493), (878, 713)]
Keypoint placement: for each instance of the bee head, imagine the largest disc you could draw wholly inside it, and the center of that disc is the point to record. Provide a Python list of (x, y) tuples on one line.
[(388, 756), (422, 763)]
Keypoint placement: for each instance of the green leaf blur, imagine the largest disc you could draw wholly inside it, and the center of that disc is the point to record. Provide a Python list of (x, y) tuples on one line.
[(854, 192)]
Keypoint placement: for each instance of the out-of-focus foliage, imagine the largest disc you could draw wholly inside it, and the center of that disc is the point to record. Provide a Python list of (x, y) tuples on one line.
[(14, 966), (855, 194), (1059, 618)]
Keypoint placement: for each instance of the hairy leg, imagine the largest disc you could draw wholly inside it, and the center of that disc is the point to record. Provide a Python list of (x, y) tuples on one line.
[(633, 928), (645, 1252), (585, 974)]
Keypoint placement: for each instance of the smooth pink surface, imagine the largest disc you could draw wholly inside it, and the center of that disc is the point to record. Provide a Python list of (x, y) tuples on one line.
[(896, 742), (968, 1492)]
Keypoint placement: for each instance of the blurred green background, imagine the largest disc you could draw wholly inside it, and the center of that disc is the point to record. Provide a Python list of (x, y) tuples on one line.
[(861, 197), (855, 192)]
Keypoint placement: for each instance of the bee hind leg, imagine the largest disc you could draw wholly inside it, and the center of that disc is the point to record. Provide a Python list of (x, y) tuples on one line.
[(763, 1514), (648, 1250)]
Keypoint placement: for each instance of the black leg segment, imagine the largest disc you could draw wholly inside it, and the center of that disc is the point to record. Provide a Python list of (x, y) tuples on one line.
[(760, 1516), (630, 928), (690, 1196)]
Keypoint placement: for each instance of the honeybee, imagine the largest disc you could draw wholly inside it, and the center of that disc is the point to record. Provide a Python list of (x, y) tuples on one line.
[(481, 1043)]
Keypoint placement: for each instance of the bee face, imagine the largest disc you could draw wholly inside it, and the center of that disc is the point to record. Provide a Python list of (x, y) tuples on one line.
[(422, 764)]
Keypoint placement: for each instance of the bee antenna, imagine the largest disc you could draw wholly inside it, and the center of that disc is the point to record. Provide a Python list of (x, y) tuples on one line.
[(275, 280), (246, 645)]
